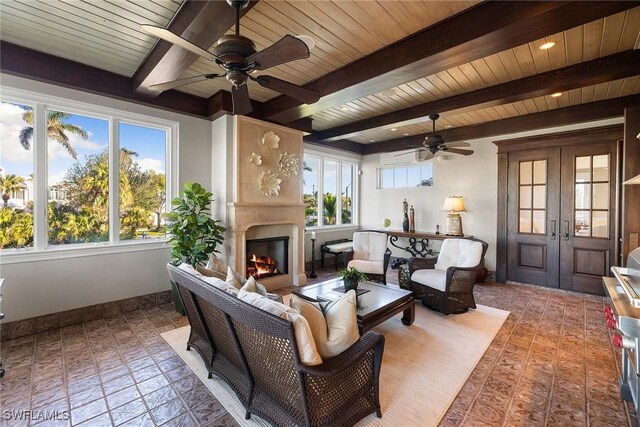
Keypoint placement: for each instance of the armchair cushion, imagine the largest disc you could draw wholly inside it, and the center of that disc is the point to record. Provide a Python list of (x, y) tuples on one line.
[(459, 253), (369, 246), (372, 267), (335, 328), (433, 278)]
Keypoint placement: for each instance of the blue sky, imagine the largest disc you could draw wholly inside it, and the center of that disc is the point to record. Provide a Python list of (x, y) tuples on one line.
[(148, 143)]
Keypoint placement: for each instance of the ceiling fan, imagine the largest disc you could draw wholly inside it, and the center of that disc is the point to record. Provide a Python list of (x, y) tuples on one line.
[(238, 57), (435, 145)]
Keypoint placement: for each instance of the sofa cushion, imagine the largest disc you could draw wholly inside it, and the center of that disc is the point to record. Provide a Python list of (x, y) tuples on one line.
[(369, 245), (433, 278), (218, 283), (252, 286), (459, 253), (335, 328), (211, 273), (373, 267), (189, 269), (304, 338), (339, 247)]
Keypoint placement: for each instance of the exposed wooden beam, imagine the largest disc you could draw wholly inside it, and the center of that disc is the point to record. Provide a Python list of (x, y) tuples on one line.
[(483, 30), (31, 64), (200, 22), (609, 68), (343, 144), (558, 117)]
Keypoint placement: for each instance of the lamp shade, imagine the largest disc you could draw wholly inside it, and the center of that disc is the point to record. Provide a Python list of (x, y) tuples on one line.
[(453, 204)]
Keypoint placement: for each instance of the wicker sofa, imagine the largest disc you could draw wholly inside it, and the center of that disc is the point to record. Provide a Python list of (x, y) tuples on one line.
[(256, 354)]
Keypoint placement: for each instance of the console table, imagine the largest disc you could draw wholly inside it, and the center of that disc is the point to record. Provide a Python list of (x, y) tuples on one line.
[(418, 241)]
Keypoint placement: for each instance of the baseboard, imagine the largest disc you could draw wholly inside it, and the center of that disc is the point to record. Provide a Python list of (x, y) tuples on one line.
[(107, 310)]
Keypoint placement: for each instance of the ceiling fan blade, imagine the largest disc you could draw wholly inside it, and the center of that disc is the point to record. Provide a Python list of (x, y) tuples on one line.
[(241, 100), (167, 35), (286, 49), (457, 144), (308, 96), (426, 155), (459, 151), (176, 83)]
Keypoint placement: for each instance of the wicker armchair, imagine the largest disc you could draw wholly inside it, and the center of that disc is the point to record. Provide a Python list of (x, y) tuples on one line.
[(262, 347), (369, 254), (446, 284)]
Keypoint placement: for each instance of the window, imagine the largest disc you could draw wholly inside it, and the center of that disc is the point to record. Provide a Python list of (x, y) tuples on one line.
[(406, 176), (100, 176), (335, 180)]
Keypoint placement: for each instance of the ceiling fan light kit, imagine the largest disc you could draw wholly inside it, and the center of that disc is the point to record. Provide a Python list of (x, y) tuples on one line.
[(237, 55)]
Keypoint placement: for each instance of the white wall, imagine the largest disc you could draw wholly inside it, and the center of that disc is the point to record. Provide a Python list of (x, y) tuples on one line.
[(40, 287), (473, 177)]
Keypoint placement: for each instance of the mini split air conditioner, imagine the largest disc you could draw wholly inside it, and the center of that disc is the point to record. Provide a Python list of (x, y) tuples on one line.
[(400, 158)]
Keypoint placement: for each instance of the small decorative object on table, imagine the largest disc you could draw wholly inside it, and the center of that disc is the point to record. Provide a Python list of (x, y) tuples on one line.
[(412, 220), (350, 277), (405, 221), (386, 223)]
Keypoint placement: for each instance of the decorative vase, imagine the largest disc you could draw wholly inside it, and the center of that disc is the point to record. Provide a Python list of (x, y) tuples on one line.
[(350, 284), (412, 220), (405, 221)]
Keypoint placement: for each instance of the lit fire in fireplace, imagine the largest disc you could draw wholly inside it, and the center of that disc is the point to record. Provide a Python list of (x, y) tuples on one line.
[(262, 266)]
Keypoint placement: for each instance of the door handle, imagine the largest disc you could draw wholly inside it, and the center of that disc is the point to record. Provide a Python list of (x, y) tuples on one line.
[(565, 235), (553, 229)]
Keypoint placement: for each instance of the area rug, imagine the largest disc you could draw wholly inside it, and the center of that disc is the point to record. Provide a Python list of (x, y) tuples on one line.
[(424, 366)]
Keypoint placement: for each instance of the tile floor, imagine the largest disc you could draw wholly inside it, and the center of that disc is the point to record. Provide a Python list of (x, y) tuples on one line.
[(551, 364)]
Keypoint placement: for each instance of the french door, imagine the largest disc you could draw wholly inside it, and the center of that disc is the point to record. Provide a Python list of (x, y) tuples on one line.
[(561, 211)]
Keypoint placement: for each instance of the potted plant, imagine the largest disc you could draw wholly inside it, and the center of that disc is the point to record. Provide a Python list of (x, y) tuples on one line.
[(194, 234), (350, 277)]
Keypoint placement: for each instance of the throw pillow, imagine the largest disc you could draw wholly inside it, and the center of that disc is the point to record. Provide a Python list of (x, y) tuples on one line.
[(304, 338), (211, 273), (234, 278), (334, 326), (215, 264), (252, 286)]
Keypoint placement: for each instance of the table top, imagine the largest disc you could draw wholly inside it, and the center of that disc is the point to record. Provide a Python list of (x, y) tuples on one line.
[(380, 297), (424, 234)]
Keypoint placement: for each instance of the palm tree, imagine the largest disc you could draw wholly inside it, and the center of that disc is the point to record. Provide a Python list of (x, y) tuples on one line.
[(10, 184), (56, 130)]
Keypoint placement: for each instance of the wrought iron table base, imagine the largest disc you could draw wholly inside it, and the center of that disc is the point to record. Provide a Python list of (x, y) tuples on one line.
[(416, 247)]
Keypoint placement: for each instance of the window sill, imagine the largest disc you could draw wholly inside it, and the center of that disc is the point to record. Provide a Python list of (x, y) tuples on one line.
[(331, 229), (14, 256)]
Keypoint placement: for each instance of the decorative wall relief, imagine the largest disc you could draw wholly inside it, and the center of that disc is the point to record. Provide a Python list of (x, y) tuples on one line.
[(269, 184), (270, 141), (288, 164), (256, 159)]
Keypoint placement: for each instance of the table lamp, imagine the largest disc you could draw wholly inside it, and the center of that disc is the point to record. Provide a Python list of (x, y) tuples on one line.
[(453, 205)]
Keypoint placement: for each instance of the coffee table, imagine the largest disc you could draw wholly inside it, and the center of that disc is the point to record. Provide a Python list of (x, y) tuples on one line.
[(374, 307)]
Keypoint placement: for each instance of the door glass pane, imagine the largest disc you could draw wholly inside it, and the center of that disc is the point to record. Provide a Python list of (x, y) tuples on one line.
[(600, 196), (539, 196), (540, 172), (525, 197), (539, 222), (583, 196), (583, 223), (601, 168), (600, 224), (525, 221), (583, 169), (525, 172)]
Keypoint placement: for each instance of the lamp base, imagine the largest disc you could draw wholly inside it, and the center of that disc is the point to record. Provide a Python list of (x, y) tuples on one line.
[(454, 225)]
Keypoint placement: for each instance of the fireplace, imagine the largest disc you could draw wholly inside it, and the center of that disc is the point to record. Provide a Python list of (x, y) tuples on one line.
[(267, 257)]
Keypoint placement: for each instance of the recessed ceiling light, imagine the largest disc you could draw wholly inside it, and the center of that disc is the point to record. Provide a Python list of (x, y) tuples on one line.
[(447, 126), (311, 43), (388, 93), (345, 108), (547, 45), (393, 129), (372, 140), (557, 94), (405, 134)]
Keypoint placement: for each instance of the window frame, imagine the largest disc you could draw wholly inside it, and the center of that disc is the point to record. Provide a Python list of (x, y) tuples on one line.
[(406, 167), (40, 103), (355, 198)]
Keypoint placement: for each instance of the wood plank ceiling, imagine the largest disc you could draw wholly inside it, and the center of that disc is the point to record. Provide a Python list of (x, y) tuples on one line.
[(106, 35)]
